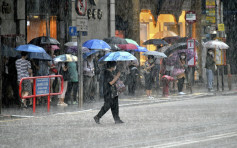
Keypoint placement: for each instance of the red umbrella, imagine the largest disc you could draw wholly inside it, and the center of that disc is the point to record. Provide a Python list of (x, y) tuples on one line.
[(128, 46)]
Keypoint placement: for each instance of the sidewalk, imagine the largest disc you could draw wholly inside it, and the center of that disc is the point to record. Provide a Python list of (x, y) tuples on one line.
[(198, 92)]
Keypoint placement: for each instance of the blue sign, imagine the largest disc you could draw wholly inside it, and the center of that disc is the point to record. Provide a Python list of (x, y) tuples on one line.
[(72, 30), (42, 86)]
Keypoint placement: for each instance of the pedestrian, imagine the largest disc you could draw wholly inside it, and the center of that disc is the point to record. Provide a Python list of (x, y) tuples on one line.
[(88, 77), (132, 77), (110, 94), (63, 70), (72, 84), (179, 72), (210, 69), (149, 64), (23, 68)]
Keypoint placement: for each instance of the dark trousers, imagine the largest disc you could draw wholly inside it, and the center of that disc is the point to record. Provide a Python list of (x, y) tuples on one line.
[(110, 103), (72, 88), (132, 85), (180, 84)]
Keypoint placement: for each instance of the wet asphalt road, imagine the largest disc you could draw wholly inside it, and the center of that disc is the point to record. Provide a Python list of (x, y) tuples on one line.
[(203, 122)]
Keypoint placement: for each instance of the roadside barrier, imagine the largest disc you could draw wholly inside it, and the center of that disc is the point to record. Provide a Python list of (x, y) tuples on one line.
[(41, 87)]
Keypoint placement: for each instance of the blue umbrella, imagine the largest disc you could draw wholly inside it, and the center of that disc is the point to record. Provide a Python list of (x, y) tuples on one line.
[(30, 48), (140, 49), (87, 54), (96, 44), (118, 56), (40, 56)]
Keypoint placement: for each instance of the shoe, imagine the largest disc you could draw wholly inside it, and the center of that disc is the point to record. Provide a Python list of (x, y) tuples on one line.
[(75, 103), (62, 104), (182, 93), (97, 119), (119, 122), (150, 97)]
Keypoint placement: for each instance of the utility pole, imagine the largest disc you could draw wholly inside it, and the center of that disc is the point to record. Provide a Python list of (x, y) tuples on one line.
[(80, 69), (0, 72)]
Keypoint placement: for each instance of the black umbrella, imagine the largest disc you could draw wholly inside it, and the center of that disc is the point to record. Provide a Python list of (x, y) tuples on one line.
[(115, 40), (175, 47), (155, 42), (44, 40)]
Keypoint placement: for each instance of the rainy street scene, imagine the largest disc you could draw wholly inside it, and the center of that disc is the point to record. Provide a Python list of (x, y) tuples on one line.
[(118, 73)]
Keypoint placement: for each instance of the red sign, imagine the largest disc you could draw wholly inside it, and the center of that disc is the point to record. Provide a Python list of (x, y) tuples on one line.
[(81, 7), (190, 17)]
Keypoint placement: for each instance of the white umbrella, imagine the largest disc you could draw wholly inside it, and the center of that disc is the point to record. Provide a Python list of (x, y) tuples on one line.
[(216, 44), (69, 44), (155, 53)]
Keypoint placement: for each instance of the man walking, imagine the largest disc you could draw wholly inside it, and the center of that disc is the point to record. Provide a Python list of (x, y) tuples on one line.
[(110, 94)]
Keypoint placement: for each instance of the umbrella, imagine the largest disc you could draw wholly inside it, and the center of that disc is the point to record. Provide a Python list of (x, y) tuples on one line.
[(73, 49), (114, 47), (171, 39), (176, 46), (69, 44), (128, 46), (65, 58), (115, 40), (164, 48), (87, 54), (216, 44), (30, 48), (155, 53), (96, 44), (40, 56), (118, 56), (173, 59), (163, 34), (155, 42), (140, 49), (132, 42), (53, 47), (44, 40)]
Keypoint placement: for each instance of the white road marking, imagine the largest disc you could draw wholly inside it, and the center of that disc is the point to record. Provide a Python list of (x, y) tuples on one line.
[(187, 142)]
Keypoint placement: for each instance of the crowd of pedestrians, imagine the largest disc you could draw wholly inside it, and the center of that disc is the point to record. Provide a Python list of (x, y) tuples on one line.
[(94, 76)]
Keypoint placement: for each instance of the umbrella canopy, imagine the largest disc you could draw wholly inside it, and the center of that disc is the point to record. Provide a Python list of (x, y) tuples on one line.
[(65, 58), (164, 48), (115, 40), (171, 39), (132, 42), (128, 46), (177, 46), (118, 56), (163, 34), (30, 48), (44, 40), (69, 44), (114, 47), (155, 53), (87, 54), (40, 56), (216, 44), (173, 59), (155, 42), (140, 49), (96, 44)]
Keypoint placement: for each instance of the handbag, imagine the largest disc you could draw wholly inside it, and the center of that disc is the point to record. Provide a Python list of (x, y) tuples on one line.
[(120, 86), (177, 71)]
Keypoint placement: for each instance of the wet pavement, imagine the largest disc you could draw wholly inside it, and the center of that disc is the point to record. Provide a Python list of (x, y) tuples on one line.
[(124, 100)]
